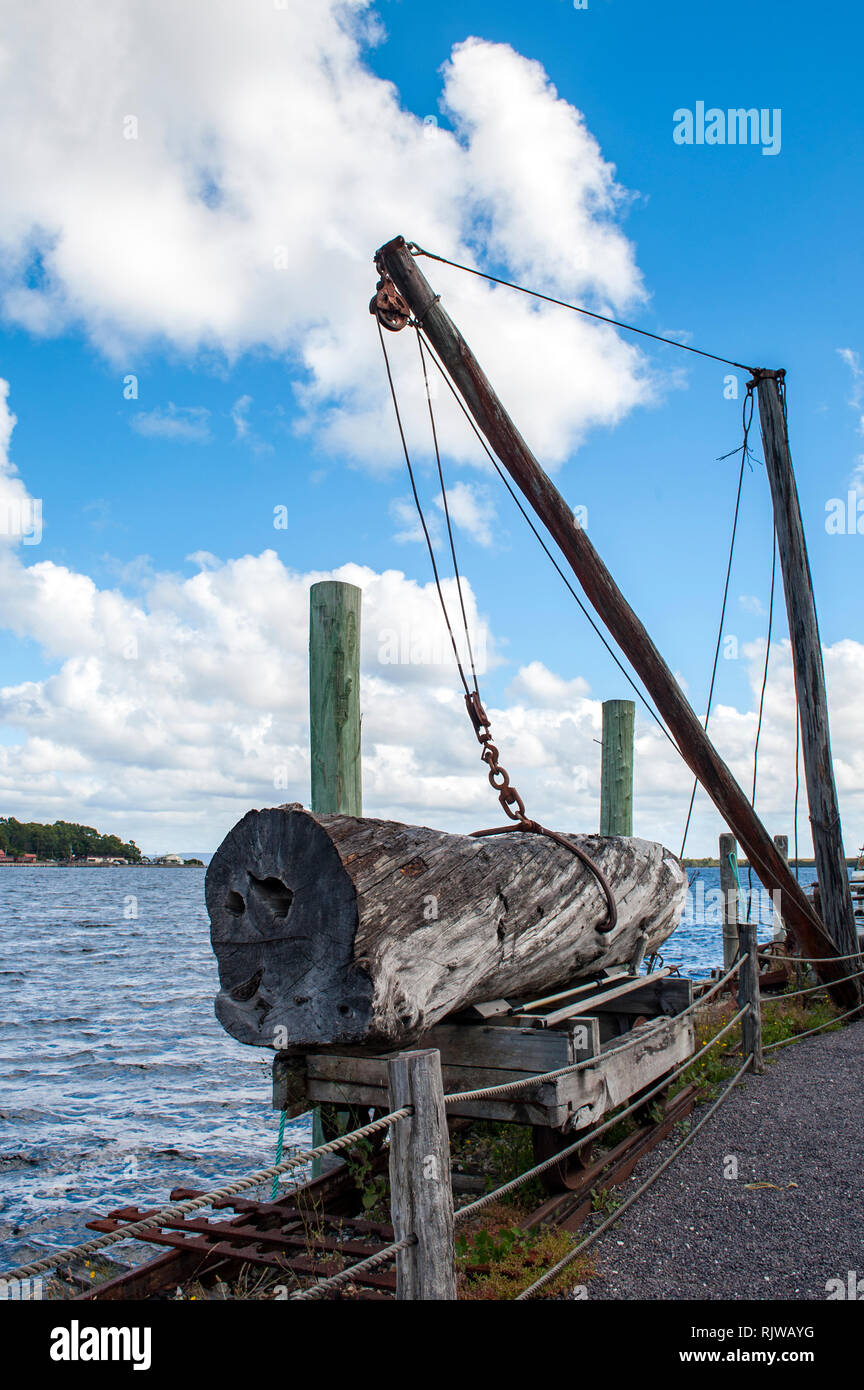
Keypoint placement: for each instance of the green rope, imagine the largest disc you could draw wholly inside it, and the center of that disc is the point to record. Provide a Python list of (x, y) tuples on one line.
[(279, 1145)]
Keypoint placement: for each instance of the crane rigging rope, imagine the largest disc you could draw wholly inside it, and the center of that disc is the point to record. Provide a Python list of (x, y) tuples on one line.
[(746, 455), (511, 802), (392, 312), (577, 308)]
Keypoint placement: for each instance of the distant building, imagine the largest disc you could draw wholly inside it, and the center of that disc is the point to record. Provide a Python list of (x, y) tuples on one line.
[(26, 859), (170, 859)]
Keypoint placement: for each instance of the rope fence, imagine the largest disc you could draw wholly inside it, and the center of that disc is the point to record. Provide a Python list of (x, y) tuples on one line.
[(426, 1270), (812, 989), (595, 1235), (595, 1133), (206, 1199), (347, 1276)]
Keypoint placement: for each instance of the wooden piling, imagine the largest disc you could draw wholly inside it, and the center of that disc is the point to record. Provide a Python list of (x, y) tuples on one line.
[(616, 770), (729, 889), (420, 1184), (334, 720), (782, 843), (748, 993), (334, 697), (834, 894)]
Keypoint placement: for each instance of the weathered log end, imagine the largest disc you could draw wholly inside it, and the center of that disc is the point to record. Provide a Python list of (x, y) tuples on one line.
[(333, 930), (283, 918)]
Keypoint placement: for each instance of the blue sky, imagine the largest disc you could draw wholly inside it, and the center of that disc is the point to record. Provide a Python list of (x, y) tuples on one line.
[(752, 256)]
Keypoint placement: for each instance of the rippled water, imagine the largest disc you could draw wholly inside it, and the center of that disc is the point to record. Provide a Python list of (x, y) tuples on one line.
[(118, 1083)]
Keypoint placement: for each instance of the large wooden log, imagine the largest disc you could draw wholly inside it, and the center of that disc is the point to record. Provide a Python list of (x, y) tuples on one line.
[(333, 929)]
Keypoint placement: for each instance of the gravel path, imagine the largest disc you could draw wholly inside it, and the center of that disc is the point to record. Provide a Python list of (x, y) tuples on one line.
[(698, 1234)]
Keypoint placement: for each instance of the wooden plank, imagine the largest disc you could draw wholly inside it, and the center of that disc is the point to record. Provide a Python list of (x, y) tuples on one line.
[(372, 1071), (670, 996), (585, 1006), (421, 1195), (514, 1047), (523, 1006), (616, 767), (697, 750)]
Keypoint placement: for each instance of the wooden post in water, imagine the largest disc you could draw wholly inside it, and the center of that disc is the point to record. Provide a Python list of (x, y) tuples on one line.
[(782, 843), (334, 697), (748, 993), (834, 893), (334, 721), (729, 889), (420, 1183), (616, 768)]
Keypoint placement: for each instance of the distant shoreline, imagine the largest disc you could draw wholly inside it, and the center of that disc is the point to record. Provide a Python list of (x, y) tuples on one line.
[(79, 864), (745, 863)]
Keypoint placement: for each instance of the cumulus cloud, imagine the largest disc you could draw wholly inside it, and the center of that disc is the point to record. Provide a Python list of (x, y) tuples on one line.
[(216, 178), (471, 510), (166, 716)]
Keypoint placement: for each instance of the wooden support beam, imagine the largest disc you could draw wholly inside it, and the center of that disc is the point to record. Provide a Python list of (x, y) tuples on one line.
[(729, 889), (421, 1193), (748, 993), (695, 747), (334, 697), (835, 898), (782, 843), (616, 769)]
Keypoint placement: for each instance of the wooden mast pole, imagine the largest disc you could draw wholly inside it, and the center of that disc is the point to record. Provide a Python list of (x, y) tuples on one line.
[(835, 896), (396, 260)]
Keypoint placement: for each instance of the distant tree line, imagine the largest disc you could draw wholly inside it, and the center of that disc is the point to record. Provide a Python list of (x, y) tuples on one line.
[(62, 840)]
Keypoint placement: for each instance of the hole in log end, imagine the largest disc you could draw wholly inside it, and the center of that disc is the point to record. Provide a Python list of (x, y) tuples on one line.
[(277, 895), (234, 904)]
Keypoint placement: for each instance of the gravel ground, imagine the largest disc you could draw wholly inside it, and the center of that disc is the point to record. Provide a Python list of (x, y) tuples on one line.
[(698, 1234)]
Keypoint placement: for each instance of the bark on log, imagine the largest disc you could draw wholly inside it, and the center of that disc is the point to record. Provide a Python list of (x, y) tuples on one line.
[(332, 929)]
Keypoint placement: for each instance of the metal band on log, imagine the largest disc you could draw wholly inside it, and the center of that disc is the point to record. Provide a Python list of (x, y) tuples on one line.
[(333, 929)]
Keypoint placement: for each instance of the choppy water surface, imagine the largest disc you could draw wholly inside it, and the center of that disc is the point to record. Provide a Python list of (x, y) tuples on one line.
[(117, 1082)]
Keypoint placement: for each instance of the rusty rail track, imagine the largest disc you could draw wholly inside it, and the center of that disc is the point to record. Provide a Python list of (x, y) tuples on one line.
[(312, 1232)]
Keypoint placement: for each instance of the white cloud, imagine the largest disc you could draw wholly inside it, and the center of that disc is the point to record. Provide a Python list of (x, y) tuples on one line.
[(188, 423), (267, 164), (752, 604), (471, 509), (165, 717)]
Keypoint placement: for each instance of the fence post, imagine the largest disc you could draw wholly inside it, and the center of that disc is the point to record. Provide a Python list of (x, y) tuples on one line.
[(782, 843), (729, 889), (420, 1184), (616, 768), (748, 993)]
